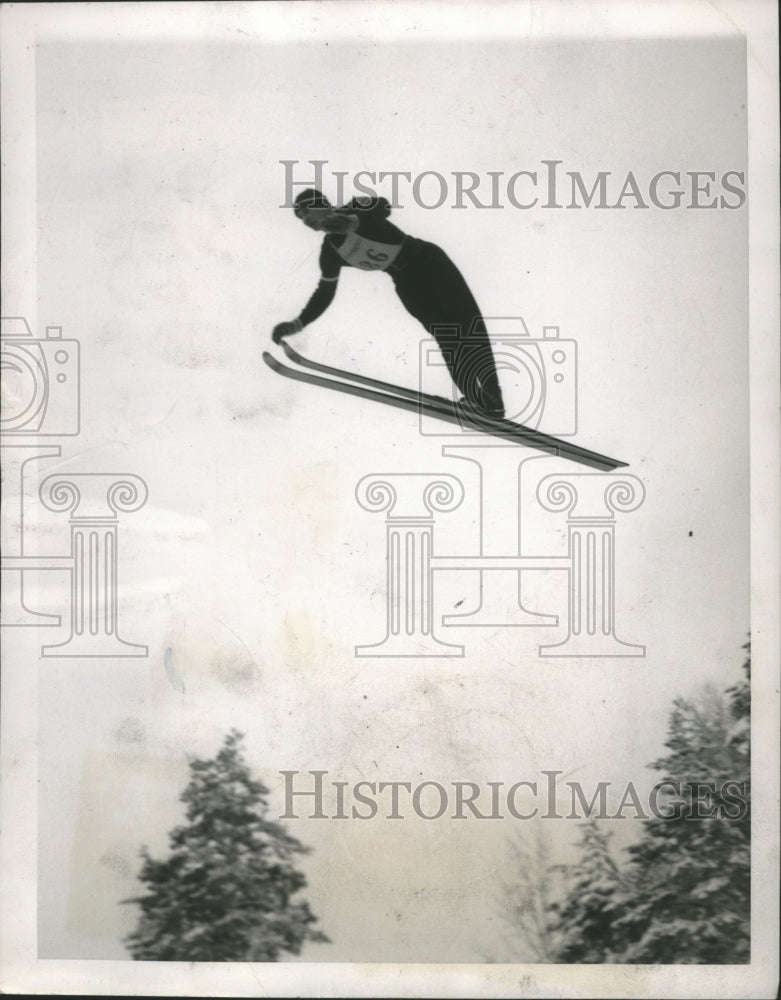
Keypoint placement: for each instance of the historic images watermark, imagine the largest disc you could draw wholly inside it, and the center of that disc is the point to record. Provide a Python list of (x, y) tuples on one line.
[(548, 185), (314, 795), (41, 404)]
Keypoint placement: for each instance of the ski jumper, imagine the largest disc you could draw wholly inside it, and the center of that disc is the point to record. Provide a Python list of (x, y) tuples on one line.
[(430, 287)]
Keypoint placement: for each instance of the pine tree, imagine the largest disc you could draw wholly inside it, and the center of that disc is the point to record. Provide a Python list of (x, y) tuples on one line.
[(683, 896), (691, 872), (740, 707), (597, 893), (226, 891)]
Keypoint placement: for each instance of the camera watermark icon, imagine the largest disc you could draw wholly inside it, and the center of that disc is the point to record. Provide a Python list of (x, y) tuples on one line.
[(41, 402), (538, 375), (40, 381)]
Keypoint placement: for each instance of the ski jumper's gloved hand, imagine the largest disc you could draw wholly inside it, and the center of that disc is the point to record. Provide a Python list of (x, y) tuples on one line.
[(285, 329)]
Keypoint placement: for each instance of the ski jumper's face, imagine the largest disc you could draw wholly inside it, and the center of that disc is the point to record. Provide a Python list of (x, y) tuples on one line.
[(315, 218)]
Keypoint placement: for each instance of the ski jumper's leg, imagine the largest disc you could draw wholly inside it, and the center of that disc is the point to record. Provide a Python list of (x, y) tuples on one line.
[(434, 291)]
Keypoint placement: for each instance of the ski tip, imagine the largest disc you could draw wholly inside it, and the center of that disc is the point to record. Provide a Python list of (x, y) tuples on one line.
[(291, 352)]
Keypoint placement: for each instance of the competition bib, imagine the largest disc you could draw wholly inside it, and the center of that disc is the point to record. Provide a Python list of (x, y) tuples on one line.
[(369, 255)]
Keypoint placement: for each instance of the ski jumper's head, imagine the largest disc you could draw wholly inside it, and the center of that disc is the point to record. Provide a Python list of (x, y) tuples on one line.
[(313, 208)]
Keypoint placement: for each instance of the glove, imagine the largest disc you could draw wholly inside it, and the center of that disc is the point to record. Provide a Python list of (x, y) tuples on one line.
[(285, 329)]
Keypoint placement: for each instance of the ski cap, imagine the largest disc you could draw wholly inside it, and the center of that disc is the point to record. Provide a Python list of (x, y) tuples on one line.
[(310, 198)]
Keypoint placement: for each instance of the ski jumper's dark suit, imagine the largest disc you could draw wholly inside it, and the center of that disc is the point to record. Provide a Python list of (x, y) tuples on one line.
[(429, 285)]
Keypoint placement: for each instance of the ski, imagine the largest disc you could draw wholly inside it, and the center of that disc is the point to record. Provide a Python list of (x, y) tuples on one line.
[(351, 383), (486, 424), (374, 383)]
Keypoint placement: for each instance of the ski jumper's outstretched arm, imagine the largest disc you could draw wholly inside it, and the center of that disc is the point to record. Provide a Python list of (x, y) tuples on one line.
[(323, 295)]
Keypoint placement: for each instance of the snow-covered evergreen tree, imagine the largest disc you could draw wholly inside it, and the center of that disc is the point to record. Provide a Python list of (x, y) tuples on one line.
[(227, 890), (692, 872), (597, 894), (683, 893)]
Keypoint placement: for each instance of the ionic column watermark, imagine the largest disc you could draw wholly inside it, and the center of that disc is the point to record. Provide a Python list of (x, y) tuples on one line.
[(409, 501), (591, 502), (94, 501)]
